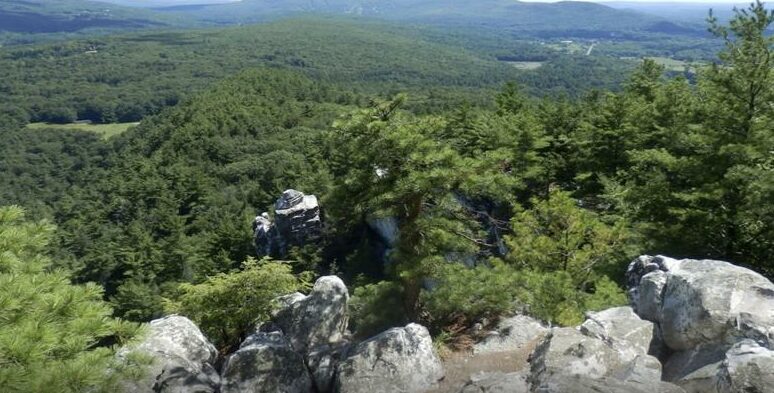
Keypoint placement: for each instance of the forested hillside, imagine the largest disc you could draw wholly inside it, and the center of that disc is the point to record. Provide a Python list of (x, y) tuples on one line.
[(510, 190), (123, 78)]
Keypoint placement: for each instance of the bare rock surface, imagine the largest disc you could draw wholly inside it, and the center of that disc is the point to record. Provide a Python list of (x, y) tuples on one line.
[(512, 334), (317, 319), (716, 321), (265, 363), (397, 360), (181, 355)]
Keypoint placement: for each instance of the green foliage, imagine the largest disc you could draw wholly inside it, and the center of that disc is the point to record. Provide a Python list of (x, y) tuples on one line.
[(553, 296), (557, 235), (697, 183), (376, 307), (469, 175), (568, 255), (52, 333), (464, 295), (228, 305), (388, 163)]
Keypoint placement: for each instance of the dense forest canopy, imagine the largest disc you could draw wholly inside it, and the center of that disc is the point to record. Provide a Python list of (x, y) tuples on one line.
[(542, 184)]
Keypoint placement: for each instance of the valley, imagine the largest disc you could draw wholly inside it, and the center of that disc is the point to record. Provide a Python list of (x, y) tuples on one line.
[(349, 196)]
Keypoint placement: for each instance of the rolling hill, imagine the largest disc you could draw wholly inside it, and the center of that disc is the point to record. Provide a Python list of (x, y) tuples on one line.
[(70, 16), (541, 19)]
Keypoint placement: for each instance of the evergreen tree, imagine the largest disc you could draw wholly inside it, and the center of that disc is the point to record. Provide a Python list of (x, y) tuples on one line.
[(54, 336)]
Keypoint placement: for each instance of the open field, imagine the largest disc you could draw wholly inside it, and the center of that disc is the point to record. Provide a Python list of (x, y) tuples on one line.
[(105, 130), (525, 65)]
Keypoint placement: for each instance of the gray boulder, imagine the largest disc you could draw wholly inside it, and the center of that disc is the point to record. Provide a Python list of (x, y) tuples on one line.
[(265, 363), (398, 360), (622, 329), (181, 357), (512, 334), (747, 368), (297, 217), (643, 369), (610, 344), (651, 292), (496, 382), (317, 319), (716, 318), (568, 351), (703, 301)]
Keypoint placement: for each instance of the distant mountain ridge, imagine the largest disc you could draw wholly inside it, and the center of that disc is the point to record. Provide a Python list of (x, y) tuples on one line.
[(38, 16), (569, 18), (541, 18)]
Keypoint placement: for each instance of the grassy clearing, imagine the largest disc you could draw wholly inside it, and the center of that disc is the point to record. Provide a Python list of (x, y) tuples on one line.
[(105, 130), (670, 64), (525, 65)]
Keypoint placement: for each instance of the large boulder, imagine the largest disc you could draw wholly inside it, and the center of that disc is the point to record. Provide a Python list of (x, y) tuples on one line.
[(610, 344), (716, 319), (702, 301), (512, 334), (747, 368), (296, 223), (265, 363), (398, 360), (318, 319), (181, 355)]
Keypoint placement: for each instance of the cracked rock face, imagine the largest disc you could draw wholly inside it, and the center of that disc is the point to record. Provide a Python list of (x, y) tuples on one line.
[(398, 360), (748, 367), (703, 301), (317, 319), (182, 358), (265, 363), (716, 318), (566, 383), (512, 334), (622, 329)]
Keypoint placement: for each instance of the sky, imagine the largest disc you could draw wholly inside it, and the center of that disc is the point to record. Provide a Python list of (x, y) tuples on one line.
[(183, 2)]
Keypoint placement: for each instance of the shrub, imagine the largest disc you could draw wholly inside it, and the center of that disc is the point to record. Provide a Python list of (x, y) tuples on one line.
[(227, 306), (376, 307)]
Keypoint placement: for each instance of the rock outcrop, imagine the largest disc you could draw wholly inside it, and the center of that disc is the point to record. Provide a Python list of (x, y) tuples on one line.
[(694, 326), (716, 320), (398, 360), (266, 363), (182, 358), (511, 334), (296, 223), (317, 319)]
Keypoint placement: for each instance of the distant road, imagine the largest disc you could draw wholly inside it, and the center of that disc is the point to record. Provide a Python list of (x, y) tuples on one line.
[(591, 48)]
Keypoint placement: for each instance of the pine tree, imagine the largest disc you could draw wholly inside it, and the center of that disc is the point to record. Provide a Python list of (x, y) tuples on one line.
[(54, 336)]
